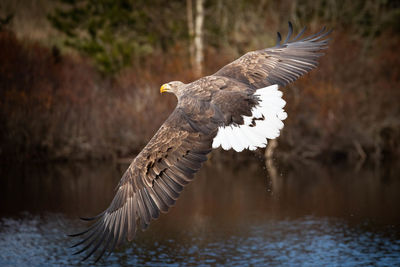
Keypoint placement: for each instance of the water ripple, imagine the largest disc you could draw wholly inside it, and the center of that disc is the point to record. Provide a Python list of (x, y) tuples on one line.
[(308, 241)]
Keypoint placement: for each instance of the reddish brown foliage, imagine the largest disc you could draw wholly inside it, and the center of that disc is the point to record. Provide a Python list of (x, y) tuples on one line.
[(344, 108), (56, 106)]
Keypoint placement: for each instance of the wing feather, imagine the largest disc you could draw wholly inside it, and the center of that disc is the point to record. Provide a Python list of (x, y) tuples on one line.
[(167, 189), (143, 212), (161, 205), (153, 181), (177, 188), (167, 199), (280, 62)]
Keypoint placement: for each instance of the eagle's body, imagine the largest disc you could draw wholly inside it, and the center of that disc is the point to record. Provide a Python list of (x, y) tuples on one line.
[(238, 107)]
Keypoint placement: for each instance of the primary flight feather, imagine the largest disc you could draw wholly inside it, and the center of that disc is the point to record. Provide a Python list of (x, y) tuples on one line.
[(239, 107)]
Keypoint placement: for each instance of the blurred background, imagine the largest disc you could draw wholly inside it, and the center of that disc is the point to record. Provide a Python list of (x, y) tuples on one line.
[(79, 98), (80, 79)]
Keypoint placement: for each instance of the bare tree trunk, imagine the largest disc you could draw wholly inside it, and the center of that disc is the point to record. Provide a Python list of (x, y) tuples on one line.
[(189, 12), (198, 38)]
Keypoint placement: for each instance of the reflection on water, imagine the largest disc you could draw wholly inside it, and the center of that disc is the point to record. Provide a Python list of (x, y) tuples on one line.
[(311, 215)]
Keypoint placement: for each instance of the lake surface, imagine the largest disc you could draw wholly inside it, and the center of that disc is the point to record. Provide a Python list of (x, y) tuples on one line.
[(310, 215)]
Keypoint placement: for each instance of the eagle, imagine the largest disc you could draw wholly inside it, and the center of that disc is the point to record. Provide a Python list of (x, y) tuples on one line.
[(238, 107)]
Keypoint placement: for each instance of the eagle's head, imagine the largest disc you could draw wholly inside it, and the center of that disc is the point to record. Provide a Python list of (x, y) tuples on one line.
[(172, 87)]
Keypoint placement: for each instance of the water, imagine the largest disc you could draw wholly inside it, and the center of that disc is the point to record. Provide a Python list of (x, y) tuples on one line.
[(305, 216)]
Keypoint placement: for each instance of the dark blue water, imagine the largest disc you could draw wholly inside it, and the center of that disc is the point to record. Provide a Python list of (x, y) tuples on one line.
[(312, 216)]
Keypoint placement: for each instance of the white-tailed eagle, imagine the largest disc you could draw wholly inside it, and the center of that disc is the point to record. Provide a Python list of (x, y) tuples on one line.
[(239, 107)]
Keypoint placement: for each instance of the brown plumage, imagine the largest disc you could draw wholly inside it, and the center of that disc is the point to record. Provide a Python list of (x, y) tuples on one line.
[(158, 174)]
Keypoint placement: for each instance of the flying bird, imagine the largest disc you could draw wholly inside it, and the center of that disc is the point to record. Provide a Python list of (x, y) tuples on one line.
[(238, 107)]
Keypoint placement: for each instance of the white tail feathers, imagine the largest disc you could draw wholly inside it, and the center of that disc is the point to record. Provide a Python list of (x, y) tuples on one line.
[(265, 122)]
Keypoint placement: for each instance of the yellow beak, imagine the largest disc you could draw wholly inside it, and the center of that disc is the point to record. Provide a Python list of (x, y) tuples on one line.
[(163, 88)]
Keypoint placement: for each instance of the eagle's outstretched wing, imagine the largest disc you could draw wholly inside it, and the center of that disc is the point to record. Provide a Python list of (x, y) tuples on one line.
[(262, 72), (281, 64), (154, 179), (238, 107)]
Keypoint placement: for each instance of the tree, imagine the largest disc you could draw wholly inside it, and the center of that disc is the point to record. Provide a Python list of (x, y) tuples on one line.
[(116, 32), (196, 35)]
